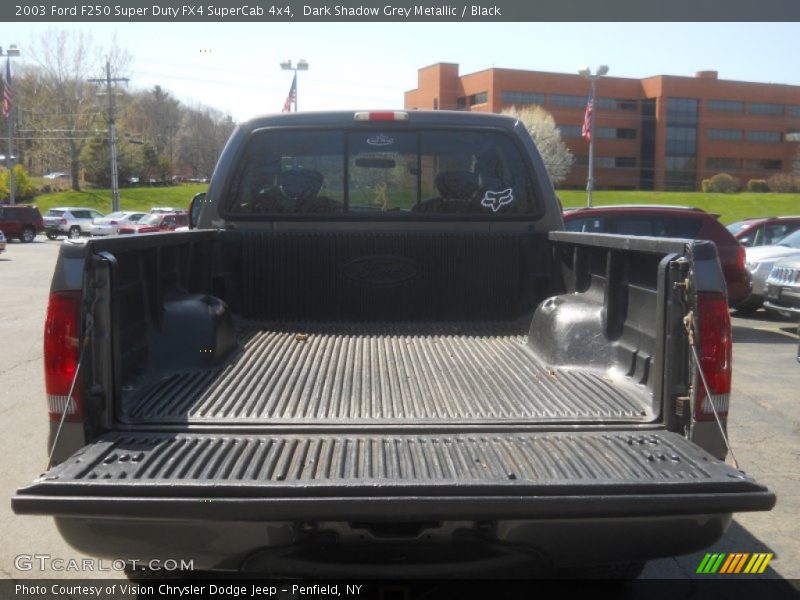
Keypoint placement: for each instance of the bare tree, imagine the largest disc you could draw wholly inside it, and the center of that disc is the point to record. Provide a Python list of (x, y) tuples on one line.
[(542, 127), (204, 132), (66, 59)]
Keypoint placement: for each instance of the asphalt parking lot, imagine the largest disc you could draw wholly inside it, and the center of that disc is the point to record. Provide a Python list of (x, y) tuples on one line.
[(764, 426)]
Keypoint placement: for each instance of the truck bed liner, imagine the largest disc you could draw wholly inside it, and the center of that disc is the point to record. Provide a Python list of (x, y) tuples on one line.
[(386, 373)]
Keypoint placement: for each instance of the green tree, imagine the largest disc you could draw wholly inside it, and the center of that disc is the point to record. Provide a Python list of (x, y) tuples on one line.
[(23, 187)]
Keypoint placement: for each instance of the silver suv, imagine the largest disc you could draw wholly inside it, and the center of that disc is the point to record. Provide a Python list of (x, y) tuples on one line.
[(783, 288), (70, 221)]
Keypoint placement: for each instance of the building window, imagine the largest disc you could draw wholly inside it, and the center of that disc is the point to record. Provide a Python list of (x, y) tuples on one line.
[(681, 110), (604, 162), (763, 164), (617, 104), (521, 98), (568, 101), (613, 133), (570, 131), (793, 110), (681, 141), (679, 173), (734, 106), (479, 98), (764, 136), (582, 159), (763, 108), (717, 163), (724, 135), (461, 102), (625, 162)]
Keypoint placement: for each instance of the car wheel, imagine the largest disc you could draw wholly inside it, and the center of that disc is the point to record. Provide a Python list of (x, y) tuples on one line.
[(748, 307), (74, 232), (28, 235), (51, 236)]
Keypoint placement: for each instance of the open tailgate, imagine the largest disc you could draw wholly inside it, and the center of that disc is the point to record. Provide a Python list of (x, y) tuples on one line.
[(274, 477)]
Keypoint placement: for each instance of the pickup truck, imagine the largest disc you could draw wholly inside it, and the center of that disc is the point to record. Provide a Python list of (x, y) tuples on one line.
[(377, 351)]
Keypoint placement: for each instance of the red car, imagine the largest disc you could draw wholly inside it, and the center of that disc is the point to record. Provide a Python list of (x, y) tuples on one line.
[(157, 222), (763, 231), (21, 221), (669, 221)]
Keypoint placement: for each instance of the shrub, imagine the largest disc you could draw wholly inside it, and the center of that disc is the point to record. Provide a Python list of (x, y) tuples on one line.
[(23, 188), (723, 183), (783, 183), (707, 186), (757, 185)]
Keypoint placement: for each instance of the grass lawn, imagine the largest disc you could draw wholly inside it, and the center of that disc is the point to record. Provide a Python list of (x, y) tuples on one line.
[(730, 207), (130, 198)]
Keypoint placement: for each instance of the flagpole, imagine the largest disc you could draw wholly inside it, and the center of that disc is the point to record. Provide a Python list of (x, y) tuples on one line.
[(587, 74), (9, 106), (590, 179)]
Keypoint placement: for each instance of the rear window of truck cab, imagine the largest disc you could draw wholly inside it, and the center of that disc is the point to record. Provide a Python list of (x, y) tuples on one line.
[(374, 172)]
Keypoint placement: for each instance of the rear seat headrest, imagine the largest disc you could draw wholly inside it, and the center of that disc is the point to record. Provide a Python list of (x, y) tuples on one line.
[(457, 185), (300, 183)]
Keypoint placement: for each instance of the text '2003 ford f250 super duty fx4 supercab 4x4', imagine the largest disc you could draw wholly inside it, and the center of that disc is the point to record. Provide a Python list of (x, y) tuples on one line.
[(378, 352)]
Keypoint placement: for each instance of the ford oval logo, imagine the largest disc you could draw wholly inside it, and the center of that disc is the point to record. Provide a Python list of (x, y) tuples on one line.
[(380, 270)]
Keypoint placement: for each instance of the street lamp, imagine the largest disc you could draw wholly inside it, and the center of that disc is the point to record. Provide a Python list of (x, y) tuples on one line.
[(302, 65), (586, 73), (12, 52)]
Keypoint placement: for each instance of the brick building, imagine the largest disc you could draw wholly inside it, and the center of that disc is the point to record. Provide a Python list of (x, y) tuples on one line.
[(662, 132)]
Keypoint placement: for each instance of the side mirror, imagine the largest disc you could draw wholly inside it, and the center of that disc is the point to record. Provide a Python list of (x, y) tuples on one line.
[(194, 209)]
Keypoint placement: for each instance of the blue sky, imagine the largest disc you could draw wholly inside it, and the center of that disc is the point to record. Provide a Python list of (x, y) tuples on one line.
[(234, 66)]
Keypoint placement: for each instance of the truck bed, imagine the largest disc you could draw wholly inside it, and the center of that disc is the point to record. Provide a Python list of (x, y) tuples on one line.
[(387, 373)]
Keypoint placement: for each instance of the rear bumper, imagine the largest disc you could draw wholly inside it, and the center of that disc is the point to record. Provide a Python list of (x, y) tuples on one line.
[(344, 548)]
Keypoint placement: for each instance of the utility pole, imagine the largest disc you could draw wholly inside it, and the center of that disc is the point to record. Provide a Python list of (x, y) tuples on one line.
[(112, 130)]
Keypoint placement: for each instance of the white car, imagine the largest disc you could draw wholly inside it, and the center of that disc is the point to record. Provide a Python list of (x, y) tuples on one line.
[(2, 242), (760, 260), (110, 224), (69, 220)]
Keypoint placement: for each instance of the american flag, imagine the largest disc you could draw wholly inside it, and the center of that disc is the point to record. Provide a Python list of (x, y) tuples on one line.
[(292, 97), (586, 132), (7, 91)]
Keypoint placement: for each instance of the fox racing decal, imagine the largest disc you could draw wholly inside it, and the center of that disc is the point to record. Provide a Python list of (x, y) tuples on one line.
[(496, 200)]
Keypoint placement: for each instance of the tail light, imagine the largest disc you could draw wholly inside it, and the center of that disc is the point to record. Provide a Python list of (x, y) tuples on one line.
[(741, 257), (63, 221), (388, 115), (715, 353), (61, 351)]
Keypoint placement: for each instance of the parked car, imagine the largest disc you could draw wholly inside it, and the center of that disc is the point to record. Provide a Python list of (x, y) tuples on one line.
[(158, 210), (763, 231), (2, 241), (760, 260), (782, 294), (311, 382), (673, 222), (110, 224), (56, 175), (70, 221), (21, 221), (156, 222)]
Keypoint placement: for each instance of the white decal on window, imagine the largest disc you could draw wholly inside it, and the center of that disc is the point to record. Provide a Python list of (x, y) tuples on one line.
[(380, 140), (496, 200)]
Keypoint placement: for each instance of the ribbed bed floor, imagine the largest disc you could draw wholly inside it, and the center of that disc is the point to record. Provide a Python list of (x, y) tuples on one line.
[(385, 373)]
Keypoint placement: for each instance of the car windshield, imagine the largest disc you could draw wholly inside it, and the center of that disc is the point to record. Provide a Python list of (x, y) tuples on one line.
[(116, 215), (54, 213), (735, 228), (792, 240), (150, 220), (136, 218)]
